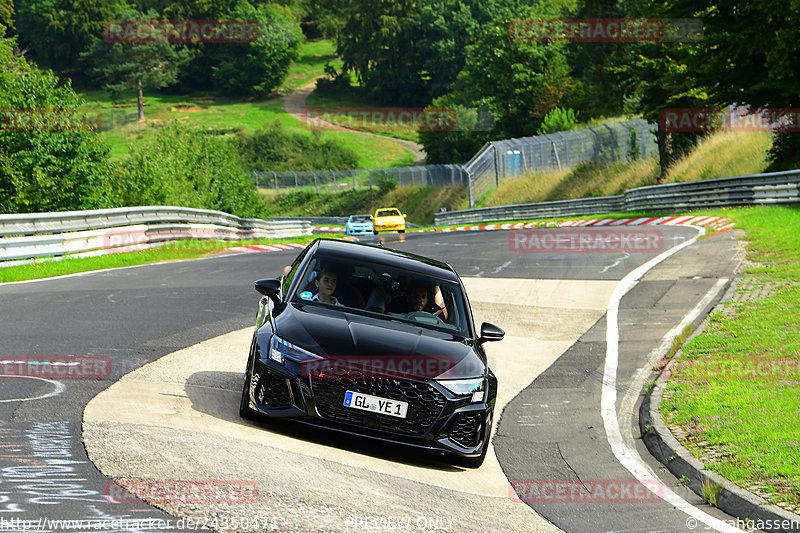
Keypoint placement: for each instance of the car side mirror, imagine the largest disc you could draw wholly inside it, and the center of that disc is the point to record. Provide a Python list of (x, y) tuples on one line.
[(404, 216), (490, 332), (270, 288)]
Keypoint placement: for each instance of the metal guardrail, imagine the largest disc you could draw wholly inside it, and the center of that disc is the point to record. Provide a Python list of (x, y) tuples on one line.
[(757, 189), (99, 231)]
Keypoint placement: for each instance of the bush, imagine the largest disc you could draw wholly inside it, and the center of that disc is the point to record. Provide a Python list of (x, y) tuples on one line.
[(558, 119), (785, 152), (50, 160), (471, 128), (274, 148), (336, 83), (182, 165)]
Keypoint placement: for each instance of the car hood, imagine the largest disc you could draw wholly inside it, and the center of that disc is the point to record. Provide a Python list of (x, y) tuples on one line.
[(342, 336)]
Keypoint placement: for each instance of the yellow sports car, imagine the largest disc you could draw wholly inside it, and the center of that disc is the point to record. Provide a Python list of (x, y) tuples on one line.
[(389, 219)]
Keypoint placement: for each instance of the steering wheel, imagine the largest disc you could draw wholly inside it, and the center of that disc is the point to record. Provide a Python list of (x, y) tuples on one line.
[(426, 317)]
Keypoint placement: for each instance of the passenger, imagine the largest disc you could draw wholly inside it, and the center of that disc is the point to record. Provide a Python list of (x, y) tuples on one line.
[(326, 284)]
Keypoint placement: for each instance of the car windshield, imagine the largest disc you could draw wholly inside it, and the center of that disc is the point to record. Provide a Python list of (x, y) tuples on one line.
[(388, 213), (359, 218), (385, 292)]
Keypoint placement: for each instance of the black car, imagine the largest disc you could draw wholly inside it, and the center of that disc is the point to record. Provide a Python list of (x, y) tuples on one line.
[(373, 342)]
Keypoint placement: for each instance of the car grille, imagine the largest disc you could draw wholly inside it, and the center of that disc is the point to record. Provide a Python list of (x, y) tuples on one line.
[(465, 430), (274, 391), (425, 403)]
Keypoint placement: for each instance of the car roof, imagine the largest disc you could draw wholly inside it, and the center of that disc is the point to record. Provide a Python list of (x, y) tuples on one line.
[(367, 253)]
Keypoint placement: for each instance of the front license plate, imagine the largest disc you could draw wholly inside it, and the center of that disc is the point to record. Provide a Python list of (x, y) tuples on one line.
[(375, 404)]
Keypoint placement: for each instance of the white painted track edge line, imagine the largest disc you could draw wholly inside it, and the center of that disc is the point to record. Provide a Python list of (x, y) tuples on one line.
[(608, 399), (637, 384)]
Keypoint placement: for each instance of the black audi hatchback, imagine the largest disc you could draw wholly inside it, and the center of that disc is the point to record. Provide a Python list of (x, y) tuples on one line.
[(373, 342)]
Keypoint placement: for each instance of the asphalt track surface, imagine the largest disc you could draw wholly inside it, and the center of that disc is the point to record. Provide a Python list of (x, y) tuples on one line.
[(551, 432)]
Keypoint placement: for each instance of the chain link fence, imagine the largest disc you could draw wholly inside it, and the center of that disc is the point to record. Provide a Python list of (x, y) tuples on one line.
[(340, 180), (496, 160), (606, 143)]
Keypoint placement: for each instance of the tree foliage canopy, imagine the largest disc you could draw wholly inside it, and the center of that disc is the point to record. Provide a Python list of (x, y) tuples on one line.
[(50, 159)]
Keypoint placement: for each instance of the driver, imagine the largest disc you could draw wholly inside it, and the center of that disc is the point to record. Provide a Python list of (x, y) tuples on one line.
[(417, 299)]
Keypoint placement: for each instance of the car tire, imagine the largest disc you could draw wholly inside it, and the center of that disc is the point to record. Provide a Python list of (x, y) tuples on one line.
[(401, 231), (476, 462), (374, 232)]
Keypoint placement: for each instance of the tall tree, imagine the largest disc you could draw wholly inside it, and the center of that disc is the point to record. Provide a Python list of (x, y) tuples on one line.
[(521, 79), (260, 66), (135, 66), (57, 31)]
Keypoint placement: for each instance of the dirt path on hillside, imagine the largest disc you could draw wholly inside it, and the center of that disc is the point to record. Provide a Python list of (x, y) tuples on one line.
[(294, 104)]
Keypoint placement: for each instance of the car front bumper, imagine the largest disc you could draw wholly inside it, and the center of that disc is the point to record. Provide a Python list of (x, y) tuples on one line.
[(390, 227), (436, 420), (358, 230)]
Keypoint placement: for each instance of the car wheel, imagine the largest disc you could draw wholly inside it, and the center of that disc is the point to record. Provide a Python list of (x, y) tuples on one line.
[(374, 232), (244, 403), (401, 231), (476, 462)]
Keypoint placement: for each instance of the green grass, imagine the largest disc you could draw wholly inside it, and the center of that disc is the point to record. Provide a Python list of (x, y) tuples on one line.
[(187, 249), (224, 115), (355, 101), (736, 388), (418, 202), (720, 155), (311, 63)]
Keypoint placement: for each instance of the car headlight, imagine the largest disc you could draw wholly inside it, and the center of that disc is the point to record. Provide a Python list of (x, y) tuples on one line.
[(280, 349), (464, 387)]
